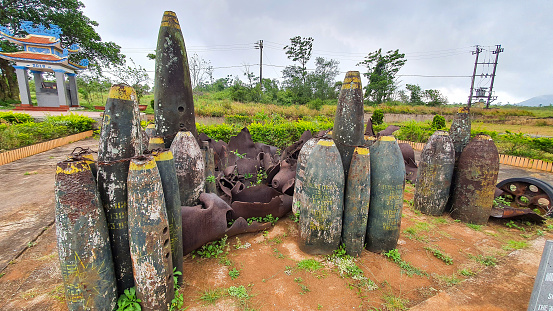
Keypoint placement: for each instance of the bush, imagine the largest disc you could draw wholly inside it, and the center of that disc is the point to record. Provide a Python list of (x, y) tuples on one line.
[(438, 122), (377, 117), (14, 118), (316, 104)]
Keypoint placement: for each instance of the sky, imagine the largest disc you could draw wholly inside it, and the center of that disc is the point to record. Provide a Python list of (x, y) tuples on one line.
[(437, 37)]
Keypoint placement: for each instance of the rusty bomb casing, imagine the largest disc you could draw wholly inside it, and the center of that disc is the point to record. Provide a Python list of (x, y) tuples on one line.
[(83, 240), (119, 141), (356, 202), (149, 236), (173, 101), (434, 175), (387, 184), (321, 218), (348, 122), (475, 182), (168, 174), (156, 142), (298, 199), (190, 166)]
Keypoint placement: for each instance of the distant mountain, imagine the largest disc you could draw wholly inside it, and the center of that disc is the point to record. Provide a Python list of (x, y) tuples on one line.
[(544, 100)]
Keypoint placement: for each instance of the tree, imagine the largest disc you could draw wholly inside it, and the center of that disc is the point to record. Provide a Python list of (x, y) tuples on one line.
[(135, 76), (415, 98), (434, 98), (77, 29), (201, 71), (381, 72), (323, 78), (299, 51)]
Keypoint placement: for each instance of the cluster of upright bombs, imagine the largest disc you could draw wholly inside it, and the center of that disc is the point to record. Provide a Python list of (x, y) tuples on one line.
[(349, 189)]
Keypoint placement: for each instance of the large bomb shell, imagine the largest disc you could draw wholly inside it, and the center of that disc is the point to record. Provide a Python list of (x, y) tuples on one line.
[(460, 130), (83, 240), (387, 184), (173, 101), (119, 141), (356, 202), (168, 174), (190, 166), (150, 130), (149, 236), (299, 198), (321, 218), (475, 181), (434, 174), (156, 142), (348, 122)]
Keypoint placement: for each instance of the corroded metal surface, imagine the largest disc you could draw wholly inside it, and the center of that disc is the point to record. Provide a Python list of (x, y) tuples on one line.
[(356, 202), (387, 184), (435, 174), (150, 130), (321, 219), (149, 236), (208, 222), (260, 201), (348, 122), (83, 241), (525, 193), (156, 142), (411, 166), (460, 130), (299, 198), (119, 141), (173, 101), (168, 174), (475, 181), (190, 166), (285, 175)]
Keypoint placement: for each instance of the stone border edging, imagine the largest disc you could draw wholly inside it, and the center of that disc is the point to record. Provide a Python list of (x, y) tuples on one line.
[(504, 159), (17, 154)]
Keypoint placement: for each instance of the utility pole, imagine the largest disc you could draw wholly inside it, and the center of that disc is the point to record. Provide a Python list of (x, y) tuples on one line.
[(477, 52), (259, 45), (498, 50)]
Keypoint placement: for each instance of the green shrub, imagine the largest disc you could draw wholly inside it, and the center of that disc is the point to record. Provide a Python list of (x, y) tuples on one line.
[(438, 122), (316, 104), (14, 118), (377, 117)]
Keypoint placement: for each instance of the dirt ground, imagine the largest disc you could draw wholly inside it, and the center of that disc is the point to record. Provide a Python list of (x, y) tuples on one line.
[(491, 267)]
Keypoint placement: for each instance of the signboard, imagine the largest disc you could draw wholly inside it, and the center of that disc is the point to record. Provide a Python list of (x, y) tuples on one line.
[(542, 294)]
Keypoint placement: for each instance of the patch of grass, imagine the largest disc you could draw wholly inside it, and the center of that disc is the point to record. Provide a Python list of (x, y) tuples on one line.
[(310, 265), (234, 273), (304, 289), (466, 272), (514, 245), (413, 232), (394, 303), (295, 217), (128, 301), (475, 227), (239, 292), (511, 224), (394, 256), (268, 218), (540, 233), (439, 220), (488, 260), (448, 280), (210, 296), (278, 253), (212, 249), (440, 255)]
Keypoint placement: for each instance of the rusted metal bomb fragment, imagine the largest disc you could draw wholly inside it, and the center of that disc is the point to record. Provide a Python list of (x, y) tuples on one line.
[(409, 160), (156, 143), (321, 219), (173, 101), (150, 240), (86, 154), (119, 141), (475, 181), (168, 174), (356, 202), (260, 201), (299, 198), (83, 240), (190, 166), (208, 222), (387, 184), (434, 174), (460, 130), (286, 174), (348, 122), (150, 130)]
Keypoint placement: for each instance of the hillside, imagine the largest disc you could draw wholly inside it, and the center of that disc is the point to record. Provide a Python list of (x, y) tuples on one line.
[(544, 100)]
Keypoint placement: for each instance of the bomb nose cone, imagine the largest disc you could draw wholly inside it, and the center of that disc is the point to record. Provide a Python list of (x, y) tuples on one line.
[(170, 19)]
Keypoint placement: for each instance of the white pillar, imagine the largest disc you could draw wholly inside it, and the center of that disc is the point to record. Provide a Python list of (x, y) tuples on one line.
[(60, 85), (38, 81), (23, 83), (74, 95)]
